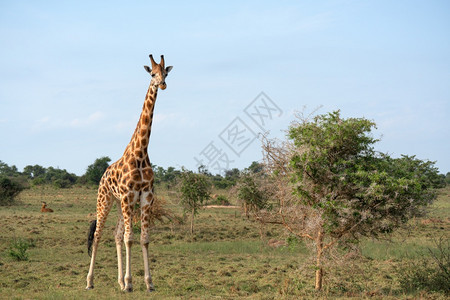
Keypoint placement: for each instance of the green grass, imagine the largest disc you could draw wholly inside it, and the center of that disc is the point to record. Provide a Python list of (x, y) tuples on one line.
[(228, 256)]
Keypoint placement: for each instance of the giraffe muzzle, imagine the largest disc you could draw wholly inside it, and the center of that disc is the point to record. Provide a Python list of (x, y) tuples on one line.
[(163, 86)]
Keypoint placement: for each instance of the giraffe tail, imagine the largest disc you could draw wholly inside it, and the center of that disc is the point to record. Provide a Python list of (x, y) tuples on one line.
[(91, 236)]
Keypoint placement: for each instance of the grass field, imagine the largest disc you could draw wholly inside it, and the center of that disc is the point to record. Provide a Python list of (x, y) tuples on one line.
[(228, 257)]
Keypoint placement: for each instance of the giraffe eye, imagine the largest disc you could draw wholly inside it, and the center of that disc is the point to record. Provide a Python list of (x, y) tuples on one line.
[(153, 75)]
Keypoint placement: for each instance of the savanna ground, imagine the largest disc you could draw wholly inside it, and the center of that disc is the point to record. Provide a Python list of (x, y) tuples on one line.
[(228, 256)]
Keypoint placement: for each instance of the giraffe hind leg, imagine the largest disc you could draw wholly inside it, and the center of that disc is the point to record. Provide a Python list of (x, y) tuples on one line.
[(146, 202), (104, 204), (118, 235)]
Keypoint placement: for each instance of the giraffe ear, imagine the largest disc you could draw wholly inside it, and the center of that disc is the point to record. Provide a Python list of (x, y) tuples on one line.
[(168, 69), (147, 68)]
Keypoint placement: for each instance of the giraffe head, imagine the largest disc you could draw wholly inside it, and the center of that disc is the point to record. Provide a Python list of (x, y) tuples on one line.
[(159, 73)]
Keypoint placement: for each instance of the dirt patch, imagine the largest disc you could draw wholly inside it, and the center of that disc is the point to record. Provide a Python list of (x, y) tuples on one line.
[(276, 243), (434, 221), (221, 206)]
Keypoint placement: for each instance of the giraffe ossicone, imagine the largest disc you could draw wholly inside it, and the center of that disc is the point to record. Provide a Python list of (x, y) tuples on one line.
[(127, 181)]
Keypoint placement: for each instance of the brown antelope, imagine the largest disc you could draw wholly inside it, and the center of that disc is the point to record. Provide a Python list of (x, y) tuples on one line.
[(44, 208)]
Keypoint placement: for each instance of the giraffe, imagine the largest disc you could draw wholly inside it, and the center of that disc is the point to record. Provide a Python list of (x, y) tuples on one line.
[(128, 180)]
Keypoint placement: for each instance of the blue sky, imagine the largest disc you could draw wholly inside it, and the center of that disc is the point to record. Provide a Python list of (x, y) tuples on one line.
[(72, 83)]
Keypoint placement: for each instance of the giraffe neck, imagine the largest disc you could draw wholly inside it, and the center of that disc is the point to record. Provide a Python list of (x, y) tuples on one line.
[(141, 137)]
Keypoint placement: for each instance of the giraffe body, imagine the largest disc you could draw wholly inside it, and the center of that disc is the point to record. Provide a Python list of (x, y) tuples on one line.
[(127, 181)]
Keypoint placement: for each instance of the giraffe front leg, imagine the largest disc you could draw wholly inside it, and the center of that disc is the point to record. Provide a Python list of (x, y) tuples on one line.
[(148, 276), (118, 235), (128, 238), (144, 245)]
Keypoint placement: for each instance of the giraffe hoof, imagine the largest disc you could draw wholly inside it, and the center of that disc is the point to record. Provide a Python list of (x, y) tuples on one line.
[(128, 289), (151, 290), (89, 287)]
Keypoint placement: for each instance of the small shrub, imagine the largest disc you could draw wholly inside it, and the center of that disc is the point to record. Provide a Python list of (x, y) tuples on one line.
[(220, 200), (429, 274), (292, 243), (37, 181), (62, 184), (18, 249)]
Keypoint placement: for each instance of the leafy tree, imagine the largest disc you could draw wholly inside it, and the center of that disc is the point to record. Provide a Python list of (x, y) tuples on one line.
[(171, 175), (195, 190), (6, 170), (35, 171), (332, 187), (202, 169), (255, 167), (59, 178), (220, 182), (168, 177), (158, 173), (95, 171), (232, 175), (9, 189), (11, 183), (250, 191)]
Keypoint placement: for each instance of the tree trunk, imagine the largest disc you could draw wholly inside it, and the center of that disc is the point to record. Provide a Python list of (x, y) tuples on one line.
[(319, 269), (192, 221), (246, 210)]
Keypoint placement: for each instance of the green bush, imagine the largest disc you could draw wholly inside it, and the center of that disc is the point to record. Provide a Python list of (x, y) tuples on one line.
[(220, 200), (38, 181), (429, 273), (9, 189), (292, 242), (62, 183), (18, 249)]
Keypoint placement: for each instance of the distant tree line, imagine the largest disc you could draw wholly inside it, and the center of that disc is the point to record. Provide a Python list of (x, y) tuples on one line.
[(170, 177), (12, 181)]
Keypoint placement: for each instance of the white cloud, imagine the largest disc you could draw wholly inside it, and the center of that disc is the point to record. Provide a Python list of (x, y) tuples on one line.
[(163, 118), (83, 122), (126, 126), (47, 122), (284, 21), (42, 123)]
